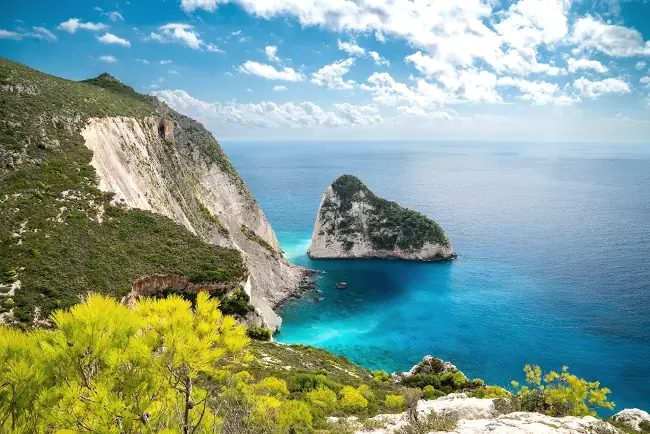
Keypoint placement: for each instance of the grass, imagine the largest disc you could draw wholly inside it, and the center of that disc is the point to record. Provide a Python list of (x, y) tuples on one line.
[(389, 227), (58, 230), (251, 235)]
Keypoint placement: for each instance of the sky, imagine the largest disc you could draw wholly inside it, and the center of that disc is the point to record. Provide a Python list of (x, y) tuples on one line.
[(524, 70)]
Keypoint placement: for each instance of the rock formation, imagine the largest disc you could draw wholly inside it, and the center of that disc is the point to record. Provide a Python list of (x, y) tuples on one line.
[(352, 222), (157, 164), (481, 416)]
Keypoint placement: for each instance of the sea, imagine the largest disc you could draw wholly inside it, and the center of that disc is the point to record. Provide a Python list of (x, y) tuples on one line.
[(553, 268)]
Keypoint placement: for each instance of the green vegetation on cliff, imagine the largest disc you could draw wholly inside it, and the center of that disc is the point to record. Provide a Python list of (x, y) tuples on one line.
[(390, 226), (59, 232)]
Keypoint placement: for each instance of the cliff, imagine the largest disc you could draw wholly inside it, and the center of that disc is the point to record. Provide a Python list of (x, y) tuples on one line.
[(352, 222), (103, 186)]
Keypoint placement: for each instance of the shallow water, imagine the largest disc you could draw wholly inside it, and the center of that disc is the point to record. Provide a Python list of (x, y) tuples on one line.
[(553, 268)]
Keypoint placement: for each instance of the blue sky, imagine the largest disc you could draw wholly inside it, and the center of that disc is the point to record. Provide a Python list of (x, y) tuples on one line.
[(524, 70)]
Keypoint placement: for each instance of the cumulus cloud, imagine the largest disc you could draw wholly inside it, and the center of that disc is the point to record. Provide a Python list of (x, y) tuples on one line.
[(577, 64), (280, 88), (143, 61), (109, 38), (645, 80), (640, 65), (351, 48), (269, 114), (269, 72), (386, 91), (538, 92), (108, 59), (377, 58), (331, 76), (272, 53), (165, 62), (211, 48), (73, 24), (611, 39), (183, 33), (595, 89)]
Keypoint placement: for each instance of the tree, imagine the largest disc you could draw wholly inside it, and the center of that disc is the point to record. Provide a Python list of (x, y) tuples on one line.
[(352, 400)]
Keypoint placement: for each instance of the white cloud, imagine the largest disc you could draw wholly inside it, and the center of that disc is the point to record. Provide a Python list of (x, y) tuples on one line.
[(182, 33), (269, 114), (73, 24), (236, 33), (114, 16), (351, 48), (280, 88), (538, 92), (269, 72), (387, 91), (331, 76), (108, 59), (640, 65), (143, 61), (211, 48), (613, 40), (377, 58), (272, 53), (594, 89), (577, 64), (173, 72), (165, 62), (109, 38), (7, 34), (43, 33), (645, 80)]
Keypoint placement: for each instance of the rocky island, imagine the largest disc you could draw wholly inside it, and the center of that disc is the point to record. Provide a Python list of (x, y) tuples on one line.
[(353, 222)]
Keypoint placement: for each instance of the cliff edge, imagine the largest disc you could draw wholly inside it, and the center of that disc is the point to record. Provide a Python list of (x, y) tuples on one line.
[(353, 222)]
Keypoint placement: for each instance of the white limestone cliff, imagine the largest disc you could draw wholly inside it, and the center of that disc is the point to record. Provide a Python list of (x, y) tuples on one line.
[(350, 221), (158, 164)]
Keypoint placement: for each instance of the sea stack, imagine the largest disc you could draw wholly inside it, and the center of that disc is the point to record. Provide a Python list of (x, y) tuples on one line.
[(352, 222)]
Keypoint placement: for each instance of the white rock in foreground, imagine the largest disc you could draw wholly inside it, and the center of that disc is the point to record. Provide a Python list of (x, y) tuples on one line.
[(632, 418), (479, 416)]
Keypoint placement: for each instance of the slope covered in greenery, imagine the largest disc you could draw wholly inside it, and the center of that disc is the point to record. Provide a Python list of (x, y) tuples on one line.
[(59, 234), (390, 225)]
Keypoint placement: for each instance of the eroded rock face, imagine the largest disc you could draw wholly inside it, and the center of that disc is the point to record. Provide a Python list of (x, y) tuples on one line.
[(170, 165), (352, 222), (634, 418)]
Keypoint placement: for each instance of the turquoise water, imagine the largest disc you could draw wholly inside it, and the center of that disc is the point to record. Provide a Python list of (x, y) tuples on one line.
[(553, 266)]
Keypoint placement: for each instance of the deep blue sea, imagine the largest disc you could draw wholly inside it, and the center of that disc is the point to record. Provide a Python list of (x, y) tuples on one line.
[(553, 266)]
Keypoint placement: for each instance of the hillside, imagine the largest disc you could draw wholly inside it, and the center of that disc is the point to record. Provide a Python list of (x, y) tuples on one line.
[(353, 222), (102, 186)]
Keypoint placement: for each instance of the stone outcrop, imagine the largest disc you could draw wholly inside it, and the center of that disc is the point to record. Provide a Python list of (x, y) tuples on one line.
[(169, 164), (352, 222), (634, 419), (480, 416)]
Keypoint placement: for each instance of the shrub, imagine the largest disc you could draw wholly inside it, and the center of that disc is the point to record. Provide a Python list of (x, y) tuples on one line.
[(492, 392), (429, 392), (259, 333), (455, 379), (560, 394), (352, 400), (307, 382), (295, 416), (272, 386), (433, 422), (394, 402), (237, 304), (366, 392), (323, 399), (381, 376), (421, 381)]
